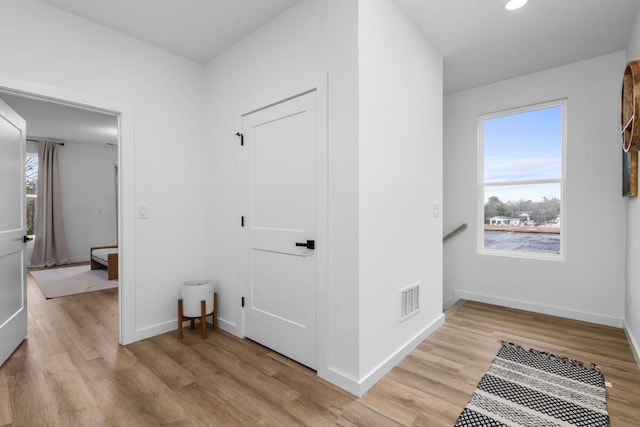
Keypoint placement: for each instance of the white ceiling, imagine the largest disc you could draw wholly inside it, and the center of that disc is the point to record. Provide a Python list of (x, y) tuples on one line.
[(195, 29), (482, 43), (479, 40), (46, 119)]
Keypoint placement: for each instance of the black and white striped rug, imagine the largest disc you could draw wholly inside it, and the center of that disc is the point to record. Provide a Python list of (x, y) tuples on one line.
[(534, 388)]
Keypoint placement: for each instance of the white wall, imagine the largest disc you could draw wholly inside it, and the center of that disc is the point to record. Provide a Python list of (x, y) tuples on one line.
[(47, 51), (310, 39), (400, 174), (377, 128), (589, 285), (87, 181), (632, 294)]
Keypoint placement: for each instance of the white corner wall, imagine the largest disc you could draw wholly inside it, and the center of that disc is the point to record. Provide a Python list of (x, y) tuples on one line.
[(87, 181), (50, 52), (632, 294), (313, 38), (589, 285), (400, 179)]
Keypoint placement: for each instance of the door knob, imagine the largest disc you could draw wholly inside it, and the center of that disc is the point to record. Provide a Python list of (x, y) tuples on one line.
[(26, 239), (310, 244)]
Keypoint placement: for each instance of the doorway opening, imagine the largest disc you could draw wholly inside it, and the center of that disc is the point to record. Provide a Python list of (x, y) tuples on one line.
[(89, 139)]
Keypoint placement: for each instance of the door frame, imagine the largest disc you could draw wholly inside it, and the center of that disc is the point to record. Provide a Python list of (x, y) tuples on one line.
[(126, 200), (264, 98)]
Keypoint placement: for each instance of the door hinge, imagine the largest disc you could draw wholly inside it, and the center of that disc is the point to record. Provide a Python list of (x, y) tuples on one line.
[(241, 221), (241, 137), (242, 301)]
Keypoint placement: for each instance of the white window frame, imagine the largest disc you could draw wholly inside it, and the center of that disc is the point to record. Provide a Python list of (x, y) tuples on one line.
[(562, 103)]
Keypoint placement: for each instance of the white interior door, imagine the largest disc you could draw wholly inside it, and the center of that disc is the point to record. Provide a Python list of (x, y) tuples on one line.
[(279, 194), (13, 289)]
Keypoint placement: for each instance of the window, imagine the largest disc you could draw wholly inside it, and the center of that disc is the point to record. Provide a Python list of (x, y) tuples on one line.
[(521, 168), (31, 183)]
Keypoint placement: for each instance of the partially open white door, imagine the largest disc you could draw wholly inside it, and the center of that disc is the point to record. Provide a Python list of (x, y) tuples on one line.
[(279, 190), (13, 287)]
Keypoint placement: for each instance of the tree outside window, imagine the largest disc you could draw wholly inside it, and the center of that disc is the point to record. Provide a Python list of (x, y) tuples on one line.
[(31, 183)]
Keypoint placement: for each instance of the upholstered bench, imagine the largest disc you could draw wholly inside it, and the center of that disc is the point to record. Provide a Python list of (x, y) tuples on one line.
[(105, 257)]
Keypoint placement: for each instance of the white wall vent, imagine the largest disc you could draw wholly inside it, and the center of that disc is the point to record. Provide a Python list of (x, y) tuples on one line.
[(409, 301)]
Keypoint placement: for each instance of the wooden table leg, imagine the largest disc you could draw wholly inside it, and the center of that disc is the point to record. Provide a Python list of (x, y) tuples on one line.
[(215, 311), (203, 318), (180, 320)]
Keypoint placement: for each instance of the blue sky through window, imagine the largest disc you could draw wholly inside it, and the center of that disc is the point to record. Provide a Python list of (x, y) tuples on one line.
[(523, 146)]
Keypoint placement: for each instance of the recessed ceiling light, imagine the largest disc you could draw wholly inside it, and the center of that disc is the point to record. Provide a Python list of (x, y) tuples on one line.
[(515, 4)]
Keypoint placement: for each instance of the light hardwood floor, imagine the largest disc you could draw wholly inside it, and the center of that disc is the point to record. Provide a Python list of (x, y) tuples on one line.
[(71, 371)]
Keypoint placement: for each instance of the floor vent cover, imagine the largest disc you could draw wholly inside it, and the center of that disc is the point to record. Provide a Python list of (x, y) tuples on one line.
[(409, 301)]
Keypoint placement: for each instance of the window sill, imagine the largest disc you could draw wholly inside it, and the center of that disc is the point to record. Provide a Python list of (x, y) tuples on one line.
[(536, 256)]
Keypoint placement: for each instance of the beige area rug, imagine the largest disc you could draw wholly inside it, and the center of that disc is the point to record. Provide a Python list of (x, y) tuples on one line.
[(60, 282)]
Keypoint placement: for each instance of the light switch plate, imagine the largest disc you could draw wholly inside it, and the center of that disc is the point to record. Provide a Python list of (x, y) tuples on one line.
[(143, 211)]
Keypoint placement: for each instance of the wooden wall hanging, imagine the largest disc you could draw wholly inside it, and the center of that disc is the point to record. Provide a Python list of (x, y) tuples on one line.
[(629, 173), (630, 128)]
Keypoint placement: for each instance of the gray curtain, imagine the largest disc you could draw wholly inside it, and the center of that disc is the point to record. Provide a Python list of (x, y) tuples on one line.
[(50, 246)]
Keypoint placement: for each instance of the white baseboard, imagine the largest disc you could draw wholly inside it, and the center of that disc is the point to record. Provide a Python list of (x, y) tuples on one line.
[(633, 343), (359, 388), (541, 308), (337, 378), (71, 261), (172, 325), (152, 331), (230, 327)]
